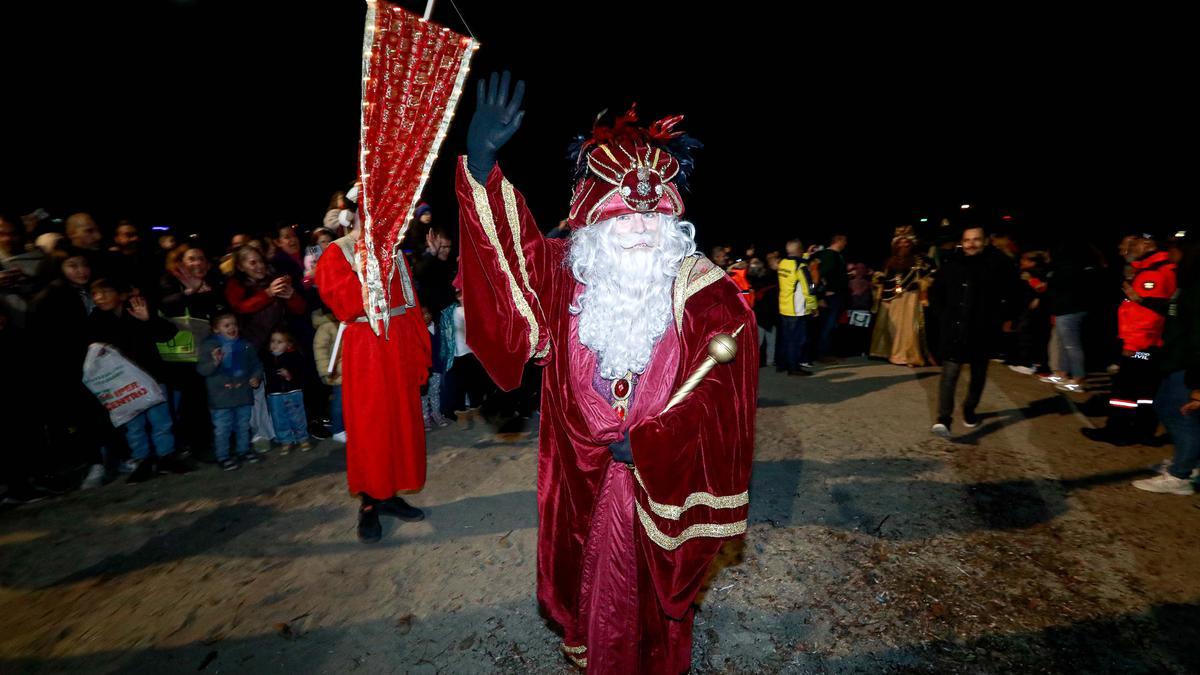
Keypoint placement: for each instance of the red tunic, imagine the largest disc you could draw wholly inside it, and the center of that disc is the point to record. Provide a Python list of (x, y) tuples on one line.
[(381, 384), (603, 529)]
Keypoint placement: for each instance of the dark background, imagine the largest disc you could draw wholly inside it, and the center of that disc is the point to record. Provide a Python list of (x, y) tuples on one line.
[(212, 115)]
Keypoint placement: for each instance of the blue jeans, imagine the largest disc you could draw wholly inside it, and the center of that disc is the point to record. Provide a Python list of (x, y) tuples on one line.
[(336, 424), (793, 336), (829, 320), (1184, 429), (227, 421), (1070, 341), (288, 416), (159, 419)]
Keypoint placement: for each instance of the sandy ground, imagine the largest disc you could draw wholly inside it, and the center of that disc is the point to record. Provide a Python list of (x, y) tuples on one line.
[(873, 547)]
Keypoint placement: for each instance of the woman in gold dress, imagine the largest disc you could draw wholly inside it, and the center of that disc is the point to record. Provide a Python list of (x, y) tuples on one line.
[(901, 293)]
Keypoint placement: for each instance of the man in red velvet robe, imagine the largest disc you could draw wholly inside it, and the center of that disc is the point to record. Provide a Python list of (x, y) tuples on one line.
[(382, 377), (634, 501)]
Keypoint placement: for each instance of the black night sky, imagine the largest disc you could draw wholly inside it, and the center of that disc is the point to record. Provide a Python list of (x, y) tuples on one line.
[(214, 115)]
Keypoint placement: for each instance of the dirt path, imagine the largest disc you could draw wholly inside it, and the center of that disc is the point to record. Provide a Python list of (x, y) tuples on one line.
[(873, 547)]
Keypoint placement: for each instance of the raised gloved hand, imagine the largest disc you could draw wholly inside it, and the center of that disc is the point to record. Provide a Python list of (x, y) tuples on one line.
[(621, 451), (497, 118)]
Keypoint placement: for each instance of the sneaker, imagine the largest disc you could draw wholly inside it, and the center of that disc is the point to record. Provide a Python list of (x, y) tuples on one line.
[(369, 529), (1052, 379), (970, 420), (806, 364), (143, 472), (1165, 484), (286, 449), (319, 429), (172, 463), (252, 457), (1164, 466), (1069, 387), (305, 446), (340, 436), (942, 430), (128, 466), (94, 479), (398, 508), (1024, 370), (229, 464)]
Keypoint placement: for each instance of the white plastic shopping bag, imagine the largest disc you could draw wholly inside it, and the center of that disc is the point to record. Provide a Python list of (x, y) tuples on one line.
[(124, 390)]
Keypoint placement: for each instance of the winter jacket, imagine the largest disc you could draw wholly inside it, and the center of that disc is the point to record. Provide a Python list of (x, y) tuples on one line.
[(293, 362), (259, 313), (1140, 324), (203, 305), (1181, 333), (229, 390), (134, 338), (327, 328), (974, 296)]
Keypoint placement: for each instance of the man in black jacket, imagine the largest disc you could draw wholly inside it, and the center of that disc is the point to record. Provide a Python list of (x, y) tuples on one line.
[(975, 292)]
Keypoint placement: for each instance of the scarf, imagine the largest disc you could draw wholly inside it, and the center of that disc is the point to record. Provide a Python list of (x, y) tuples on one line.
[(231, 359)]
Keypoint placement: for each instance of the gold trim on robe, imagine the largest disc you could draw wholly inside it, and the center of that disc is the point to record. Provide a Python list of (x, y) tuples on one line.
[(672, 512), (670, 543), (484, 211)]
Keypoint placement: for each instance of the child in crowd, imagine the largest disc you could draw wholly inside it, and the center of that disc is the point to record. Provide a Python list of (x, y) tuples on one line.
[(431, 398), (323, 341), (125, 321), (285, 370), (231, 371)]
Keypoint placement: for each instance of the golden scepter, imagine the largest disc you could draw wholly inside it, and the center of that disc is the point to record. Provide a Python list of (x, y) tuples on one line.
[(721, 349)]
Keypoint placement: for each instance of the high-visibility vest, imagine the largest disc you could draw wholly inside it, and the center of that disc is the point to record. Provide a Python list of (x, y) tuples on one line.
[(796, 295)]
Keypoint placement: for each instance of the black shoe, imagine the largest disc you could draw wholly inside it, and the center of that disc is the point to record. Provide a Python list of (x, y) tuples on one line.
[(173, 463), (319, 430), (251, 457), (229, 464), (369, 529), (970, 419), (143, 472), (398, 508), (799, 373), (1104, 435)]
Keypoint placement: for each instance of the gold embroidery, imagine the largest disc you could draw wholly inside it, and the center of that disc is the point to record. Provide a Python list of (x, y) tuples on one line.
[(591, 216), (514, 224), (672, 512), (704, 280), (698, 530), (681, 284), (574, 650), (582, 663), (542, 354), (484, 212)]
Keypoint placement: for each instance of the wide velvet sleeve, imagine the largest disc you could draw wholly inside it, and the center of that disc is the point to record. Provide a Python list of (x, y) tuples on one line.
[(692, 462), (506, 268)]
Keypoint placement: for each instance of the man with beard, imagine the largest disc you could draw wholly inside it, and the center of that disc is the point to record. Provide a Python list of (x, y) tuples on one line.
[(635, 496), (976, 292)]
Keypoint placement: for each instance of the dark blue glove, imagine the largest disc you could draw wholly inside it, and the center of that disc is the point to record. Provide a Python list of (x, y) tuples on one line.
[(497, 118), (621, 451)]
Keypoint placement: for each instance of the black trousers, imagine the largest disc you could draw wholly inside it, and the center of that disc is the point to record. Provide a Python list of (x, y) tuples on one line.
[(1131, 405), (949, 383)]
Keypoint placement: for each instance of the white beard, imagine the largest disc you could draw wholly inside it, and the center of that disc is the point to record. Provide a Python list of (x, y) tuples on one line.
[(626, 305)]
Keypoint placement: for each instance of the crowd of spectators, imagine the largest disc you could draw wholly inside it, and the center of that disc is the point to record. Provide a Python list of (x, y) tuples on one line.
[(246, 356), (237, 339)]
